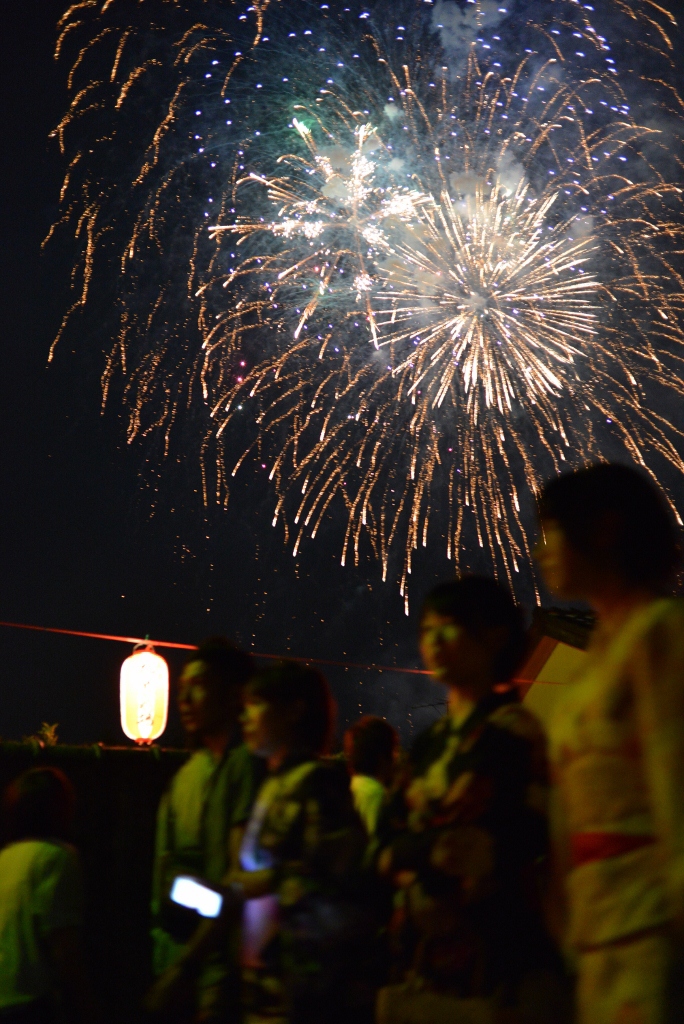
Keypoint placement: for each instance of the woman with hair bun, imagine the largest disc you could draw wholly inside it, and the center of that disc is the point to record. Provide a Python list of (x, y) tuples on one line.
[(470, 829), (617, 743)]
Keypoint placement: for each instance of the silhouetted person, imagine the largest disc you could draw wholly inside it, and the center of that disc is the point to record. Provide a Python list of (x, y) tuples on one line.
[(470, 828), (300, 857), (200, 819), (41, 905), (371, 746), (617, 743)]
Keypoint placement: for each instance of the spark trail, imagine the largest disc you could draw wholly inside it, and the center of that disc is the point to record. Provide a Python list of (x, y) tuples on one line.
[(412, 278)]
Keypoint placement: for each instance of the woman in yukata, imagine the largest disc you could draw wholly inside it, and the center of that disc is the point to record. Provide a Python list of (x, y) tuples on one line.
[(617, 744), (470, 832), (304, 923)]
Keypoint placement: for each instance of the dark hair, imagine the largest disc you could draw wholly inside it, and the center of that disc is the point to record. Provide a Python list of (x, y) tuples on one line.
[(288, 683), (39, 804), (370, 743), (616, 516), (479, 604), (230, 666)]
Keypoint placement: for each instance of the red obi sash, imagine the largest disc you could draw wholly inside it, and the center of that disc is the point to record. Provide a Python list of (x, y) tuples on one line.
[(588, 846)]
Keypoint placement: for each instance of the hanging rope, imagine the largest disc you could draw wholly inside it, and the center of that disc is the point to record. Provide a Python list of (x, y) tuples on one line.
[(193, 647)]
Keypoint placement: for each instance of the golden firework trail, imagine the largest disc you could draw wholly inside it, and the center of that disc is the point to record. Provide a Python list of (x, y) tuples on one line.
[(423, 281)]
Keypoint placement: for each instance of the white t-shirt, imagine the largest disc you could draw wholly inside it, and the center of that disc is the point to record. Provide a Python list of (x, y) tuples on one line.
[(369, 796), (41, 891)]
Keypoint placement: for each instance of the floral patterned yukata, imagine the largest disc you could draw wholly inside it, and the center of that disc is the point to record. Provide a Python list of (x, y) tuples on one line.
[(470, 832), (304, 829), (617, 745)]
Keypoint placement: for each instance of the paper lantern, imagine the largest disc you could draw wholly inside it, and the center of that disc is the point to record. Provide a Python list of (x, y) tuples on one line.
[(144, 695)]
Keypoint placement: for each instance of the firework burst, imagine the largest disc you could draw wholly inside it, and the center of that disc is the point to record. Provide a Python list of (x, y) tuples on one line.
[(419, 286)]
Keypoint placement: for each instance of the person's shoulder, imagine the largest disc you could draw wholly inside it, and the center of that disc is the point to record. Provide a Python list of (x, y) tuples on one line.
[(432, 736), (40, 849), (366, 784), (20, 856), (328, 787), (435, 729), (54, 851), (199, 764), (39, 857), (240, 756), (517, 719), (241, 763), (669, 615), (329, 770), (662, 641), (326, 779)]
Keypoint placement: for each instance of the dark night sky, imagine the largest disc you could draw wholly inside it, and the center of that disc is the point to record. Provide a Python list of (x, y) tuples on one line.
[(91, 539), (79, 547)]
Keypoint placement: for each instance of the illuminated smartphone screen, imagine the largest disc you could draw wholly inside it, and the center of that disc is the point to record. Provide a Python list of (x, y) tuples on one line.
[(188, 892)]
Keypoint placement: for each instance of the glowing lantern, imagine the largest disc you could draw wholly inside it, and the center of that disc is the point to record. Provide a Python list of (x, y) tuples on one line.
[(144, 695)]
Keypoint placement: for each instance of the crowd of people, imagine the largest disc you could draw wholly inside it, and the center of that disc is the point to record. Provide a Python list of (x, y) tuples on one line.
[(489, 875)]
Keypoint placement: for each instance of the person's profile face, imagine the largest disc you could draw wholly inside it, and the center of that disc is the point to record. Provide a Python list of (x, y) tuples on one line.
[(202, 712), (561, 566), (262, 727), (450, 653)]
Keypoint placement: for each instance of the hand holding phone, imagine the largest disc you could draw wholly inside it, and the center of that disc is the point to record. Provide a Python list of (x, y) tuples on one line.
[(196, 894)]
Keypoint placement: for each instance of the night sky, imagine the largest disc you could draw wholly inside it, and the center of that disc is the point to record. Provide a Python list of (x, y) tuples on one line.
[(88, 540), (93, 538)]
